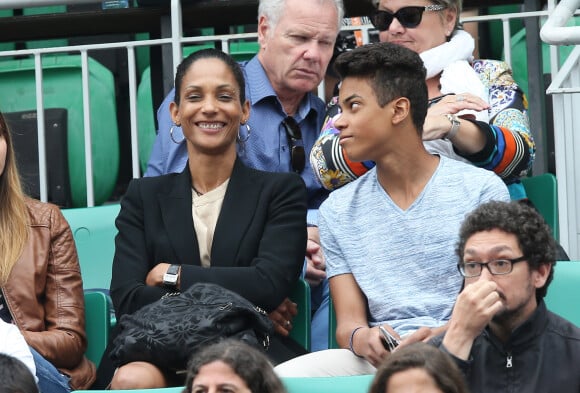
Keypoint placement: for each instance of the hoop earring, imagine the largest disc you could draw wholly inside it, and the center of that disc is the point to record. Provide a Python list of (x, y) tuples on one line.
[(173, 138), (248, 132)]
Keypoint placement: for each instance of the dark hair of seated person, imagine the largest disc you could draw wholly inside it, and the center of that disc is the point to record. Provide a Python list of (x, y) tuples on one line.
[(251, 365), (437, 364), (15, 377)]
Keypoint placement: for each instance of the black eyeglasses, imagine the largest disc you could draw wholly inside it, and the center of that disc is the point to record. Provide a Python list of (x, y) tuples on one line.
[(297, 153), (496, 267), (408, 17)]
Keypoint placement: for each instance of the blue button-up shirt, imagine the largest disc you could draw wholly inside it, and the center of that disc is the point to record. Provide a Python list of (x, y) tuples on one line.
[(267, 147)]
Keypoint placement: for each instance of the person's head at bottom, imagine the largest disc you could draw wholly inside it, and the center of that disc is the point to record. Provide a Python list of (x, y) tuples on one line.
[(15, 377), (231, 366), (418, 368)]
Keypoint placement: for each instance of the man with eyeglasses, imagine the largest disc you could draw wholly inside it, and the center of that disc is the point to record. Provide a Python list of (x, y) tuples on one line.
[(500, 333)]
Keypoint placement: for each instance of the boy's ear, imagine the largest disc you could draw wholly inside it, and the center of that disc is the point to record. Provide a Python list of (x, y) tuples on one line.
[(401, 108)]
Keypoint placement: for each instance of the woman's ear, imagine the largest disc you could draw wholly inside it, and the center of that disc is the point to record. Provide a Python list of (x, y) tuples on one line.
[(245, 112), (174, 112), (450, 19)]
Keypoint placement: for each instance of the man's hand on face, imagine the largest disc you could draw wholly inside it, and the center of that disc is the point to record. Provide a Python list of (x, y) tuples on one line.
[(475, 307)]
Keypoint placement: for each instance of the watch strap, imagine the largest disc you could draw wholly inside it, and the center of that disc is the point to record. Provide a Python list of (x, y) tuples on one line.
[(454, 120)]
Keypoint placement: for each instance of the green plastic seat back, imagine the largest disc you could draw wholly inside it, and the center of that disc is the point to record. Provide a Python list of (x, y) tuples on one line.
[(94, 232), (332, 343), (146, 129), (244, 50), (145, 119), (97, 325), (63, 89), (564, 291), (350, 384), (301, 323), (161, 390), (542, 190)]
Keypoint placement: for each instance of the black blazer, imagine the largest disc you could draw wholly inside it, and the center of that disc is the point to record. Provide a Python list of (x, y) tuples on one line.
[(258, 246)]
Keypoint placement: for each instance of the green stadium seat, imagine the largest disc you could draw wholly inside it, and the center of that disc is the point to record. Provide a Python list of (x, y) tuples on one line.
[(350, 384), (163, 390), (94, 232), (97, 325), (244, 50), (301, 323), (332, 343), (146, 129), (563, 292), (542, 190), (63, 89)]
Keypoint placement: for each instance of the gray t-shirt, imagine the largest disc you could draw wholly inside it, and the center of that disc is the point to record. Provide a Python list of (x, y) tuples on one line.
[(404, 261)]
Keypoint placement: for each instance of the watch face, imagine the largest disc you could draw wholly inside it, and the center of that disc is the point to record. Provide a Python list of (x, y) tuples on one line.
[(169, 279)]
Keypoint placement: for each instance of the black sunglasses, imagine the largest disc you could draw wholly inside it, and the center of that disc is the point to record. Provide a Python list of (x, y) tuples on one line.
[(408, 17), (297, 153)]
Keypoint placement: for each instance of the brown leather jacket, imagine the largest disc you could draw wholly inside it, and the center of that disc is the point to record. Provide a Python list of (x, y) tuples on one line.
[(45, 295)]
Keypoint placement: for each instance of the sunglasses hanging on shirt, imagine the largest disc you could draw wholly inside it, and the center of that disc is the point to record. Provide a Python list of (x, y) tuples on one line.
[(297, 153), (408, 17)]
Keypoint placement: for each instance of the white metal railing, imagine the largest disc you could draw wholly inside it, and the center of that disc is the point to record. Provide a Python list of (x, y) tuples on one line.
[(555, 30), (176, 41), (565, 88)]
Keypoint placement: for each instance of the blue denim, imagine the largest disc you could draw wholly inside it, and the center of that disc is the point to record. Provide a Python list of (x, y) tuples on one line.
[(50, 380), (320, 300)]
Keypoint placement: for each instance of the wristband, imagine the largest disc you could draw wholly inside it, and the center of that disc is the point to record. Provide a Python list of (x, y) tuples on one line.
[(351, 339)]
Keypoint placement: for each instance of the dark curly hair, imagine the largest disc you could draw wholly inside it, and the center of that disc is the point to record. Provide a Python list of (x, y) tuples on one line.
[(248, 363), (534, 235), (393, 71)]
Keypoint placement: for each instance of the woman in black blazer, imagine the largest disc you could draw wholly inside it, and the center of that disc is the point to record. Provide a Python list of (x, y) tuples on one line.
[(218, 221)]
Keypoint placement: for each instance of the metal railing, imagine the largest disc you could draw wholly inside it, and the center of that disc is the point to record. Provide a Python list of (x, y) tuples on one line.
[(565, 89), (176, 41)]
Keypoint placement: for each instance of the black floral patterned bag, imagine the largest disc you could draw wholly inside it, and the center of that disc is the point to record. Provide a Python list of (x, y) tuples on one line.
[(167, 332)]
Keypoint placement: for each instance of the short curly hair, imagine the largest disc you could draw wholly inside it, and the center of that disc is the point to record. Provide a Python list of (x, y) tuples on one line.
[(520, 219)]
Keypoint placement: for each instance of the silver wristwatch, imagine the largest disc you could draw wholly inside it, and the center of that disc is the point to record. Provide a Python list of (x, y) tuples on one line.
[(454, 125), (170, 278)]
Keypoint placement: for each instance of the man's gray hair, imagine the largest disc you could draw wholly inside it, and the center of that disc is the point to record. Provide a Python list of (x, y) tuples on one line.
[(274, 9)]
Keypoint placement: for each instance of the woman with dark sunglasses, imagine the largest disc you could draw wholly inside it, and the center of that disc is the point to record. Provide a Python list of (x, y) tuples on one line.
[(477, 112)]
